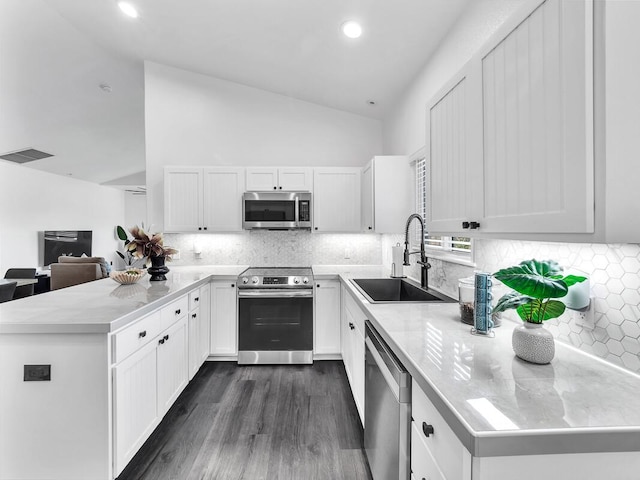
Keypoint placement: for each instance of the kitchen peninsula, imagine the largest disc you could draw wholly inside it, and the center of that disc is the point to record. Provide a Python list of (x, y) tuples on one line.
[(492, 413)]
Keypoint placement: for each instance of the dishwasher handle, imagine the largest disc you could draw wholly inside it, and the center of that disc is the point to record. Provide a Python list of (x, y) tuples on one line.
[(394, 373)]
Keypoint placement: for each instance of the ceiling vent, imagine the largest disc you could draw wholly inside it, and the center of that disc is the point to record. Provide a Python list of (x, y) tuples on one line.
[(25, 156)]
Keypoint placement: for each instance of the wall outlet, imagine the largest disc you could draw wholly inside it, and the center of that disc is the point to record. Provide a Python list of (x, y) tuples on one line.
[(585, 317), (347, 253)]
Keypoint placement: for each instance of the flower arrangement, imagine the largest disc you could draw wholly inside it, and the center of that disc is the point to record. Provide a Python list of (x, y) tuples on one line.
[(143, 245)]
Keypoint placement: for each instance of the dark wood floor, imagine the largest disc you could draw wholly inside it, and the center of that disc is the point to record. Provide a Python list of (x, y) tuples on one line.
[(258, 422)]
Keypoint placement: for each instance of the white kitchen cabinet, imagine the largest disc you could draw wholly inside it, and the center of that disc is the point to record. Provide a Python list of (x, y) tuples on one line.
[(135, 412), (293, 179), (223, 189), (203, 199), (327, 318), (510, 137), (145, 385), (336, 200), (183, 199), (199, 321), (224, 322), (173, 368), (353, 348), (386, 194)]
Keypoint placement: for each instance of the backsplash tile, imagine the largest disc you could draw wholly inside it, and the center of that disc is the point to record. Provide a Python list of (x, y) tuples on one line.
[(614, 272), (277, 248)]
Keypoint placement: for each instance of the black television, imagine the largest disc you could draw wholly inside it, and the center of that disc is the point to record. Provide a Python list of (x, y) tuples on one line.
[(66, 242)]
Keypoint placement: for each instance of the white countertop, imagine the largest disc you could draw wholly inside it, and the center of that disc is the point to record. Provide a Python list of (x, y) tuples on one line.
[(578, 403), (103, 305)]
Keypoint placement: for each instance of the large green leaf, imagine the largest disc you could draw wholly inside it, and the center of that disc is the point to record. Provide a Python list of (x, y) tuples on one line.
[(122, 235), (510, 300), (573, 279), (537, 279), (538, 311)]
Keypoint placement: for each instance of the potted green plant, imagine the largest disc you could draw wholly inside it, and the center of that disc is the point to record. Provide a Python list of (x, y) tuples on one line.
[(537, 285)]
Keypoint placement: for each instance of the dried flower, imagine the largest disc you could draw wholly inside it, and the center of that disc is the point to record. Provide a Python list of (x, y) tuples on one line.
[(145, 245)]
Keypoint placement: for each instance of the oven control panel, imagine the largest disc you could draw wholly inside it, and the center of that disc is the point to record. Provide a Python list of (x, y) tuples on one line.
[(275, 280)]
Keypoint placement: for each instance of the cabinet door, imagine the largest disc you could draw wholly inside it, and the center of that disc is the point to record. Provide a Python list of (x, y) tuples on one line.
[(262, 179), (537, 97), (205, 322), (357, 387), (295, 179), (224, 319), (135, 409), (453, 148), (346, 346), (336, 199), (183, 199), (194, 322), (368, 224), (173, 368), (327, 317), (393, 187), (223, 189)]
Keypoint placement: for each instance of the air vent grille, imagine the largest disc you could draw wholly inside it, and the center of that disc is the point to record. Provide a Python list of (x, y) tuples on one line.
[(25, 156)]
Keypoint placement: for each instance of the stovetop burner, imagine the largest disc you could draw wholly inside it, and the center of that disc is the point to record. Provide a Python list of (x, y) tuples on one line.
[(276, 277)]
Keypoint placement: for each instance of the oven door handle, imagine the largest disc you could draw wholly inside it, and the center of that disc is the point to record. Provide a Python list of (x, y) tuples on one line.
[(275, 293)]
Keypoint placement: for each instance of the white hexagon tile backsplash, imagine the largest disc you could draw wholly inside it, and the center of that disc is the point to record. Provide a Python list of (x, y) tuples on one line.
[(614, 272)]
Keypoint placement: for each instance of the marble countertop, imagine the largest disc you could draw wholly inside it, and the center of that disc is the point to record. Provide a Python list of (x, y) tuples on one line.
[(500, 405), (103, 305)]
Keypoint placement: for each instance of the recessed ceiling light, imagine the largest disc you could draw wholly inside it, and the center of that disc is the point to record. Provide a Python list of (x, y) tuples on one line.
[(351, 29), (128, 9)]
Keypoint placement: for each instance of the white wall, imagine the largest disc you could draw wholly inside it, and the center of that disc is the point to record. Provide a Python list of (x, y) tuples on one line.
[(193, 119), (404, 126), (32, 201)]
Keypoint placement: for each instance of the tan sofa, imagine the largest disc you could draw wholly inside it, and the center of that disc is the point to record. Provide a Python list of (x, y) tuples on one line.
[(75, 270)]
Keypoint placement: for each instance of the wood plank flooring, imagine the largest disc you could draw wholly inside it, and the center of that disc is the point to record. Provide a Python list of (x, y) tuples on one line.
[(290, 422)]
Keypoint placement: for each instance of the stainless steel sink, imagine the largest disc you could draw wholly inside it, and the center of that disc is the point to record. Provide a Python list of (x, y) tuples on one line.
[(392, 290)]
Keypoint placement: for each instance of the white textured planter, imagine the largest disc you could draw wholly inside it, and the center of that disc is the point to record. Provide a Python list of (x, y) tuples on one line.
[(533, 343)]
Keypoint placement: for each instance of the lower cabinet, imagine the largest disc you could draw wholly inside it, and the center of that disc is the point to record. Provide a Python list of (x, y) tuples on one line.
[(145, 385), (352, 347), (327, 318), (436, 452), (224, 329), (199, 313)]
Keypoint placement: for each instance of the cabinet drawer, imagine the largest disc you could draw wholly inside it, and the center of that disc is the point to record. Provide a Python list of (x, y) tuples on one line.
[(356, 312), (423, 465), (174, 311), (194, 299), (442, 443), (136, 336)]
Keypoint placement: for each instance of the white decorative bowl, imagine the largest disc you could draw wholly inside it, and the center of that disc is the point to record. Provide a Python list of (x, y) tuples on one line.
[(124, 278)]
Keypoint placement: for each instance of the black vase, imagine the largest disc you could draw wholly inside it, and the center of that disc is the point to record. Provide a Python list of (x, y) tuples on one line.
[(157, 269)]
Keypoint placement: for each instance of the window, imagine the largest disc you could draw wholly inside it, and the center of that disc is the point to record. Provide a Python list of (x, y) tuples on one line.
[(450, 248)]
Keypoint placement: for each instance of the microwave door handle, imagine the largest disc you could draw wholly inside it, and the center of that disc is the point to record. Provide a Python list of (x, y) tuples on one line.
[(297, 212)]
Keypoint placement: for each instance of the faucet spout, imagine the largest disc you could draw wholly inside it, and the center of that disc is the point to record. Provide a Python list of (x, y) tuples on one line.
[(425, 266)]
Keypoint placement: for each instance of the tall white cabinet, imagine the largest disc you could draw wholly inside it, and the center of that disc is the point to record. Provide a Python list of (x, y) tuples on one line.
[(336, 203), (510, 137), (386, 194), (203, 199)]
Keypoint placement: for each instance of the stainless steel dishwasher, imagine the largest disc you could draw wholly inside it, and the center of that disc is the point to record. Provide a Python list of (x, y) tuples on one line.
[(387, 411)]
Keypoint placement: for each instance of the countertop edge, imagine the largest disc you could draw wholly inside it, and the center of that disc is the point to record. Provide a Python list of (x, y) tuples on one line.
[(503, 443)]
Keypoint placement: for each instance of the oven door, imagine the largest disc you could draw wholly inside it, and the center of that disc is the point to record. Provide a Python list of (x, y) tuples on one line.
[(275, 326), (270, 210)]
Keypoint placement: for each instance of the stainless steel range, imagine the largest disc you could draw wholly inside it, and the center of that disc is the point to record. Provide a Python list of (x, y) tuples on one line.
[(275, 316)]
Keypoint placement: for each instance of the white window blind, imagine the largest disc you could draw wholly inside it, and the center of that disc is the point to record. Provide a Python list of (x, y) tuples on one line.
[(460, 246)]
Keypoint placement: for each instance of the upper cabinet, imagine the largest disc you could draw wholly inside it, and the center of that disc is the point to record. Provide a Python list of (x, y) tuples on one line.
[(336, 199), (386, 194), (293, 179), (510, 137), (203, 199)]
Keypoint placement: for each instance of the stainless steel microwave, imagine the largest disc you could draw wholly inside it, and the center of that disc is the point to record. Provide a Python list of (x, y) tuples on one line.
[(276, 210)]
